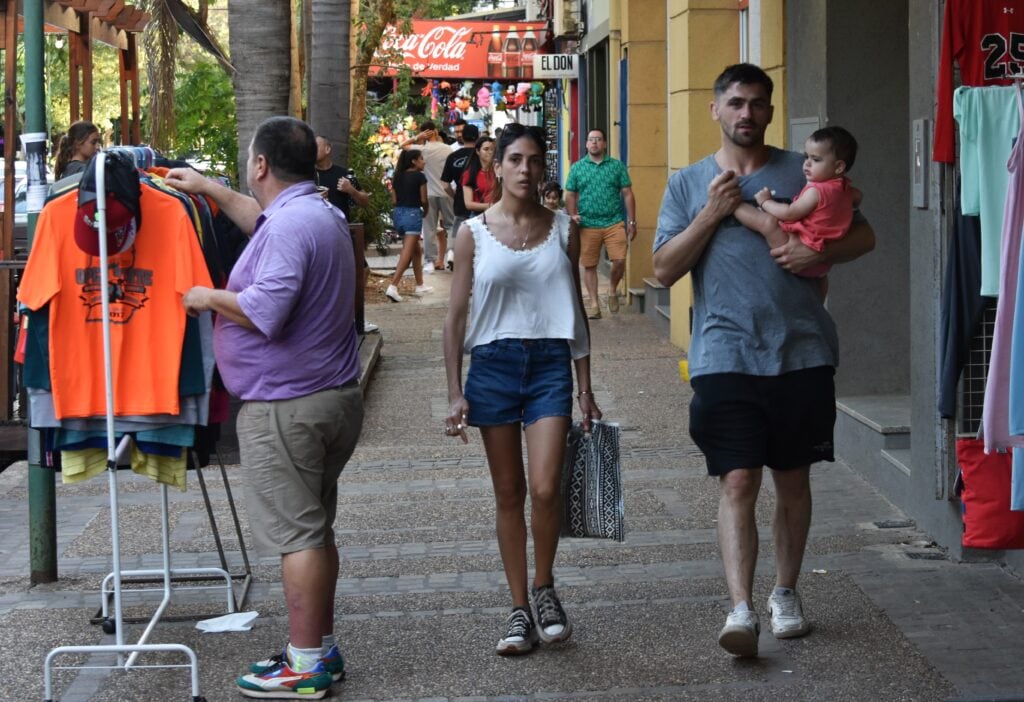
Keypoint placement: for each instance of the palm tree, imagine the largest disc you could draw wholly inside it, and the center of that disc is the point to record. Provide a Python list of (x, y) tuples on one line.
[(329, 80), (260, 36), (374, 17), (160, 41)]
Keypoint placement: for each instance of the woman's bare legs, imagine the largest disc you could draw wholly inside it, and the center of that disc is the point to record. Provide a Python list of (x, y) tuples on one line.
[(503, 445), (410, 249), (545, 446)]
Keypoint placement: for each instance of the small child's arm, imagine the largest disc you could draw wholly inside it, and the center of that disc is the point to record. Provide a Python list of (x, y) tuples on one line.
[(800, 208)]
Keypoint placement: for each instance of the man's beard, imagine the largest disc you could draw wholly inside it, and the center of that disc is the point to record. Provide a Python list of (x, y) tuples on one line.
[(753, 137)]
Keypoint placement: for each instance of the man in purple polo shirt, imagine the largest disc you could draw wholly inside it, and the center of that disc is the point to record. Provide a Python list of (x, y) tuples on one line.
[(286, 344)]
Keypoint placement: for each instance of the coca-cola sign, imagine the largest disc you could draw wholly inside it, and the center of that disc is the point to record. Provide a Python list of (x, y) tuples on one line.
[(462, 50)]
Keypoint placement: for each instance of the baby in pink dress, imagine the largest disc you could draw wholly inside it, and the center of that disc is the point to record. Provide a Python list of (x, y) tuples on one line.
[(823, 210)]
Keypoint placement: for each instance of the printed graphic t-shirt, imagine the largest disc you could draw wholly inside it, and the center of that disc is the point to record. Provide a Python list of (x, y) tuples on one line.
[(983, 37), (147, 328)]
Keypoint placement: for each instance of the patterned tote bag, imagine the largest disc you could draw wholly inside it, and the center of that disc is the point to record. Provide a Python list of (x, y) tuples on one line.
[(592, 504)]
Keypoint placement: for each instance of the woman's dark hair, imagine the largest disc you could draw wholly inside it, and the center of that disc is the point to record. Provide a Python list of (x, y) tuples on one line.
[(473, 169), (289, 146), (405, 160), (78, 133), (514, 131)]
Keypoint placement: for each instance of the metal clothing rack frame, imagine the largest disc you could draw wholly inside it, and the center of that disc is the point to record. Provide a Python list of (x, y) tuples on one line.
[(120, 648), (190, 575)]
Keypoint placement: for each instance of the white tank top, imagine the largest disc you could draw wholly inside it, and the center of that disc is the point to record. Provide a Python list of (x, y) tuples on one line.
[(528, 294)]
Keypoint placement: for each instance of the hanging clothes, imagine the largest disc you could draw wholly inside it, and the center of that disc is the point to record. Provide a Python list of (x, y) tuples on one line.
[(962, 305), (989, 121), (1013, 221), (996, 414), (148, 281), (978, 36)]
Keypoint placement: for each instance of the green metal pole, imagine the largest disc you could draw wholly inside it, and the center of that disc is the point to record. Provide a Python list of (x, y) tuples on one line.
[(42, 499)]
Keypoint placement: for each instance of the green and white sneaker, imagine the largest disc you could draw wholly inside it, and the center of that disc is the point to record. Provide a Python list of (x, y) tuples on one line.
[(333, 662), (283, 683)]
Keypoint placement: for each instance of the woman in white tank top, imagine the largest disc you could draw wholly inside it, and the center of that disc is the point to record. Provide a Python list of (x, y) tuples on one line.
[(526, 330)]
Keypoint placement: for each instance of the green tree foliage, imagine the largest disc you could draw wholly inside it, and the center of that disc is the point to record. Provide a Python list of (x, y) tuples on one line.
[(363, 158), (106, 80), (204, 102)]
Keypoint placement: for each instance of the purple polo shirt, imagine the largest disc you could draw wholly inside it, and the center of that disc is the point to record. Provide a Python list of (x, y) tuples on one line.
[(295, 283)]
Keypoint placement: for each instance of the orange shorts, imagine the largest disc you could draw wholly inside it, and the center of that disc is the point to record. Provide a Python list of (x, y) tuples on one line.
[(613, 237)]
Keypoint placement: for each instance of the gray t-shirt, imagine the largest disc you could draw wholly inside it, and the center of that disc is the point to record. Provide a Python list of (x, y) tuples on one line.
[(749, 314)]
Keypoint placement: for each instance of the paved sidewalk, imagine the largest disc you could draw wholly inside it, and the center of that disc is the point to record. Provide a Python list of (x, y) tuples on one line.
[(423, 596)]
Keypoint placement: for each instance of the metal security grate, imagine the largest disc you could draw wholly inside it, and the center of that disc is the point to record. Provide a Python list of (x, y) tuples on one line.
[(972, 383)]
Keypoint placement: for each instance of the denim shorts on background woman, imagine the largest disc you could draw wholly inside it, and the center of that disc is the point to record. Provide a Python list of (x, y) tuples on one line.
[(408, 220), (519, 380)]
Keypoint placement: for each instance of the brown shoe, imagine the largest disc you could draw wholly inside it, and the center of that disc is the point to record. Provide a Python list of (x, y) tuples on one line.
[(594, 312), (613, 303)]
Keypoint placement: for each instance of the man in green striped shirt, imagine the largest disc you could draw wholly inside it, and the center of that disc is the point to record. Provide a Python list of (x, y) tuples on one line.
[(596, 192)]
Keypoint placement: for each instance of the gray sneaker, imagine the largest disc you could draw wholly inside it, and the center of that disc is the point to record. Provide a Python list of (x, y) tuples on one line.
[(788, 620), (740, 633)]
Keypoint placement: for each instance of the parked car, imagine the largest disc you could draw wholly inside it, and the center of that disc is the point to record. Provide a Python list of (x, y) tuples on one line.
[(20, 215)]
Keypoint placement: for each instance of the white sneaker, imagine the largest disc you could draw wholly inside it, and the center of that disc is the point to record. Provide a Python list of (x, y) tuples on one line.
[(392, 294), (787, 613), (740, 633), (428, 268), (449, 260), (370, 327), (423, 289)]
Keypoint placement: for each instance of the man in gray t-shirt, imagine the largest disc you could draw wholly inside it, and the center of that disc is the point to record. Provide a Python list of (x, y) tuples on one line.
[(763, 350)]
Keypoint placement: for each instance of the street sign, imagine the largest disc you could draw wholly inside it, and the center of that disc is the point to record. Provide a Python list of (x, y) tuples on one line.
[(556, 66)]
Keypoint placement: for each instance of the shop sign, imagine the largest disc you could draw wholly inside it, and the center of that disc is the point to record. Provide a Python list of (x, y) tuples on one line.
[(556, 66), (463, 50)]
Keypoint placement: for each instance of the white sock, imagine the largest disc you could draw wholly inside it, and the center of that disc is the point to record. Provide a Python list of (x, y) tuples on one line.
[(325, 644), (741, 607), (786, 591), (302, 659)]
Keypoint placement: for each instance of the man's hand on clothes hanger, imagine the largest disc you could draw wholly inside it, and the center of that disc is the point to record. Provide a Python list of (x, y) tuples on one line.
[(187, 180)]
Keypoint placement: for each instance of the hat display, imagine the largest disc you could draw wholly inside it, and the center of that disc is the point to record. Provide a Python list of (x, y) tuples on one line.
[(124, 212)]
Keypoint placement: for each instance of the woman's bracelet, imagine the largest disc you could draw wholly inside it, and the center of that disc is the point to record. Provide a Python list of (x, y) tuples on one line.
[(581, 393)]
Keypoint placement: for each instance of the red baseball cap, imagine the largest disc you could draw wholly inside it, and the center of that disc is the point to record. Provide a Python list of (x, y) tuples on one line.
[(124, 212)]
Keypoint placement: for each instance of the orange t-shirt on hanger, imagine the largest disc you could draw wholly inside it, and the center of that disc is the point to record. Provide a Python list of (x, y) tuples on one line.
[(147, 283)]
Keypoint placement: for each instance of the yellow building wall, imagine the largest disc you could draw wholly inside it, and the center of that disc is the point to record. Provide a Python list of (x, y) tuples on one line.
[(704, 38), (643, 41)]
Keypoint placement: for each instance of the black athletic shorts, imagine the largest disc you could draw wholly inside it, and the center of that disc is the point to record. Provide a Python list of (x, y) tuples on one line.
[(750, 421)]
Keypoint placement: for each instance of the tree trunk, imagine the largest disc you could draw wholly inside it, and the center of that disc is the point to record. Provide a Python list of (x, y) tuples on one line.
[(297, 61), (160, 41), (259, 39), (329, 73), (375, 16)]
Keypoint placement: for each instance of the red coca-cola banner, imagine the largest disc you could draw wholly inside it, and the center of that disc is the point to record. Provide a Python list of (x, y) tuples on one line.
[(464, 50)]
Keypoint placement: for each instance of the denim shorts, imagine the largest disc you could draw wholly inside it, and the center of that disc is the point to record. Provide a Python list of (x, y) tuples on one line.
[(408, 220), (519, 380)]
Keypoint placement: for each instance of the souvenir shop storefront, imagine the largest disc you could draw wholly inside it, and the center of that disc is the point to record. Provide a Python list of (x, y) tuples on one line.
[(481, 72)]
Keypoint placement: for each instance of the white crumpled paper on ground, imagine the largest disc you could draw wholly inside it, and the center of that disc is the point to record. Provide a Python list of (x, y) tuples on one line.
[(237, 621)]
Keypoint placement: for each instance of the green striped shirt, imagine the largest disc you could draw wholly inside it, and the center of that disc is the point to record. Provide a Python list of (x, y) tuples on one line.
[(599, 186)]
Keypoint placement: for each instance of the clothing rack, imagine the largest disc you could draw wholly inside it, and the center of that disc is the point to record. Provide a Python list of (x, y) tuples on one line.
[(120, 648), (138, 577)]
